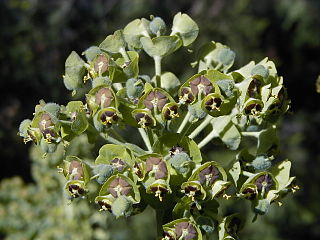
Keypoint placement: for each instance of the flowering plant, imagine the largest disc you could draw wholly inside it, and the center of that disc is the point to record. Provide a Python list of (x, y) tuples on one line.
[(176, 118)]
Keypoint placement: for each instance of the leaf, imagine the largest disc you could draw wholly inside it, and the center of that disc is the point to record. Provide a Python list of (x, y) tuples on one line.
[(108, 152), (135, 30), (282, 173), (267, 140), (227, 131), (215, 55), (130, 69), (113, 43), (170, 83), (80, 124), (235, 172), (74, 71), (160, 46), (91, 53), (186, 28)]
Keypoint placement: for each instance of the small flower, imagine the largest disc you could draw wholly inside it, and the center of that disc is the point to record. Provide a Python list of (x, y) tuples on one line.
[(108, 117), (76, 190), (185, 230), (104, 97), (170, 112), (253, 108), (201, 84), (264, 182), (249, 193), (45, 121), (105, 205), (186, 95), (156, 166), (192, 192), (213, 103), (155, 99), (101, 64), (208, 175), (49, 135), (119, 187), (118, 164), (159, 191), (144, 120), (137, 169), (75, 170), (254, 88), (168, 235)]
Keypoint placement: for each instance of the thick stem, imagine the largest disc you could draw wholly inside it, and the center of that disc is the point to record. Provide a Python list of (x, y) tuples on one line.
[(247, 174), (157, 66), (145, 139), (159, 218), (184, 122), (208, 138), (124, 54), (204, 123)]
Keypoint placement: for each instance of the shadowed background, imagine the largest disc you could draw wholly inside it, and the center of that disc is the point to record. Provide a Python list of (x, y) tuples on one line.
[(37, 36)]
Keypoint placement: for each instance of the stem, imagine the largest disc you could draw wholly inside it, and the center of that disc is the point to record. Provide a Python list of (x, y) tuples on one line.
[(124, 54), (204, 123), (247, 174), (111, 139), (157, 66), (145, 139), (159, 217), (208, 138), (249, 134), (184, 122)]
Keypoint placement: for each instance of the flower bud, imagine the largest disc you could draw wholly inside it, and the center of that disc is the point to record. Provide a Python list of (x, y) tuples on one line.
[(121, 207), (157, 25)]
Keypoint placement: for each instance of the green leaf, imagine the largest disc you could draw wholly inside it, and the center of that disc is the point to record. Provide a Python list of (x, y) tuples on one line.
[(267, 141), (235, 171), (170, 83), (91, 53), (227, 131), (108, 152), (130, 69), (186, 28), (74, 106), (80, 124), (52, 108), (215, 56), (282, 173), (135, 30), (160, 46), (113, 43), (74, 71)]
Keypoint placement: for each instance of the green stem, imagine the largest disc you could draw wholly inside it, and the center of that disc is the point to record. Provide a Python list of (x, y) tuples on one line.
[(204, 123), (184, 122), (111, 139), (249, 134), (247, 174), (208, 138), (159, 218), (157, 66), (145, 139), (124, 54)]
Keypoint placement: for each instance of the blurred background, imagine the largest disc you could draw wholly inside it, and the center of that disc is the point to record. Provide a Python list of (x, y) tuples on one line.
[(37, 36)]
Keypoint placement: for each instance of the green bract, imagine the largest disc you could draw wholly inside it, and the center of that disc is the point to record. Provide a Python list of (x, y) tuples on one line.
[(236, 110)]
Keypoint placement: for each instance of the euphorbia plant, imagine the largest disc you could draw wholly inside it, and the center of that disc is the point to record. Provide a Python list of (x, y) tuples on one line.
[(176, 118)]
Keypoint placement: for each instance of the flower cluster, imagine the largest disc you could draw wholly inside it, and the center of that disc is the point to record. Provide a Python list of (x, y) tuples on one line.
[(175, 119)]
